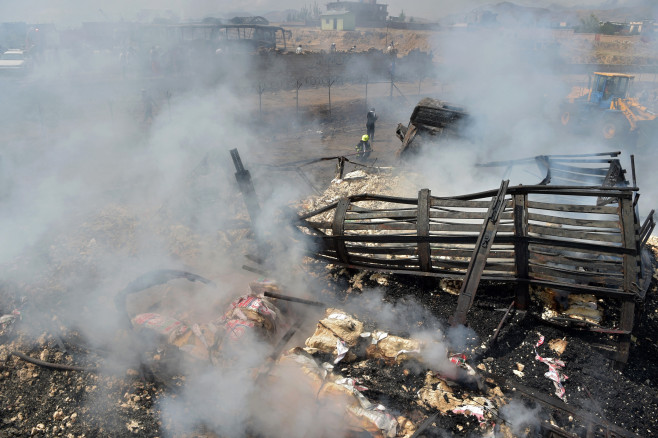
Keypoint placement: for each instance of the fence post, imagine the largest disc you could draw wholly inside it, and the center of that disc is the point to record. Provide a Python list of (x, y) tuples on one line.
[(298, 85), (330, 82)]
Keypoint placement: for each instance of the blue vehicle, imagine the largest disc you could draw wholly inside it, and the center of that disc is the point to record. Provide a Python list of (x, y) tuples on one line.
[(607, 111)]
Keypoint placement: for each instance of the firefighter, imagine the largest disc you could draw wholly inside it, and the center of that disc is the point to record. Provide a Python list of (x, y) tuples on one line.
[(371, 118), (363, 148)]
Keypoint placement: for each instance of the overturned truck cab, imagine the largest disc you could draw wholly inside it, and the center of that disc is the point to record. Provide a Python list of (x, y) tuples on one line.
[(431, 121)]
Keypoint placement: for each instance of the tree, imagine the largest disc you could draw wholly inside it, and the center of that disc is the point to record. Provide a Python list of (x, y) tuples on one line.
[(402, 16), (590, 24)]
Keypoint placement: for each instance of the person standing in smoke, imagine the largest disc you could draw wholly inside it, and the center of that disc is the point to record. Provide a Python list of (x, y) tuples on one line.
[(363, 148), (371, 118)]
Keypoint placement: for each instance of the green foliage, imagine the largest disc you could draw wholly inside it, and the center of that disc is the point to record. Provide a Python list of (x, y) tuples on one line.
[(590, 24)]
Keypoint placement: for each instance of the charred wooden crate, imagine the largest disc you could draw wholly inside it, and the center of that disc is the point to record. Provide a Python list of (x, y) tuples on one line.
[(553, 237)]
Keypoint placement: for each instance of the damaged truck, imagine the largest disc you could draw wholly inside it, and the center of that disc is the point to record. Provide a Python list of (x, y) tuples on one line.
[(431, 121)]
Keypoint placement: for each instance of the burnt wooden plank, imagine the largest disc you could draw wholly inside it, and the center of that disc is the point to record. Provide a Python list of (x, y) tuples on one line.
[(575, 272), (578, 257), (423, 229), (631, 271), (565, 220), (338, 228), (571, 208), (318, 211), (606, 236), (480, 253), (391, 199), (594, 171), (406, 213), (562, 174), (521, 250), (593, 265), (402, 226), (470, 240), (467, 253), (385, 214), (543, 272), (444, 213), (457, 203), (548, 245)]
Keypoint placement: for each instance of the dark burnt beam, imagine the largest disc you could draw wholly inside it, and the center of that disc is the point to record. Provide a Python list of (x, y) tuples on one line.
[(521, 254), (630, 263), (338, 229), (423, 227), (479, 258)]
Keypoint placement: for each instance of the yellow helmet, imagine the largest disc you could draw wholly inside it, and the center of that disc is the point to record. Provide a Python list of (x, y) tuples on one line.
[(365, 137)]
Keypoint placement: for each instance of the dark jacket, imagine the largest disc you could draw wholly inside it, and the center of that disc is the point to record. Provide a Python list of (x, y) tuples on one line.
[(371, 118)]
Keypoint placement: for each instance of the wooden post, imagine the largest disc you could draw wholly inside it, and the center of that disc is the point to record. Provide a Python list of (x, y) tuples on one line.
[(423, 230), (338, 229), (243, 178), (630, 264), (330, 82), (521, 252), (299, 85), (340, 167)]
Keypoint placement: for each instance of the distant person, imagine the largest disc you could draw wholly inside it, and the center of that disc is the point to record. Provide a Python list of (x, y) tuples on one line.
[(299, 50), (363, 148), (371, 118), (333, 48)]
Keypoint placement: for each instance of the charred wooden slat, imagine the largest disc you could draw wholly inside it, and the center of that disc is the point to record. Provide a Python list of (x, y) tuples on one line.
[(338, 229), (569, 208), (577, 177), (423, 229), (631, 270), (544, 244), (318, 211), (574, 234), (542, 259), (522, 251), (594, 171), (578, 257), (433, 227), (565, 220), (386, 214), (584, 277), (470, 240), (444, 213), (441, 202), (480, 253), (447, 252)]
